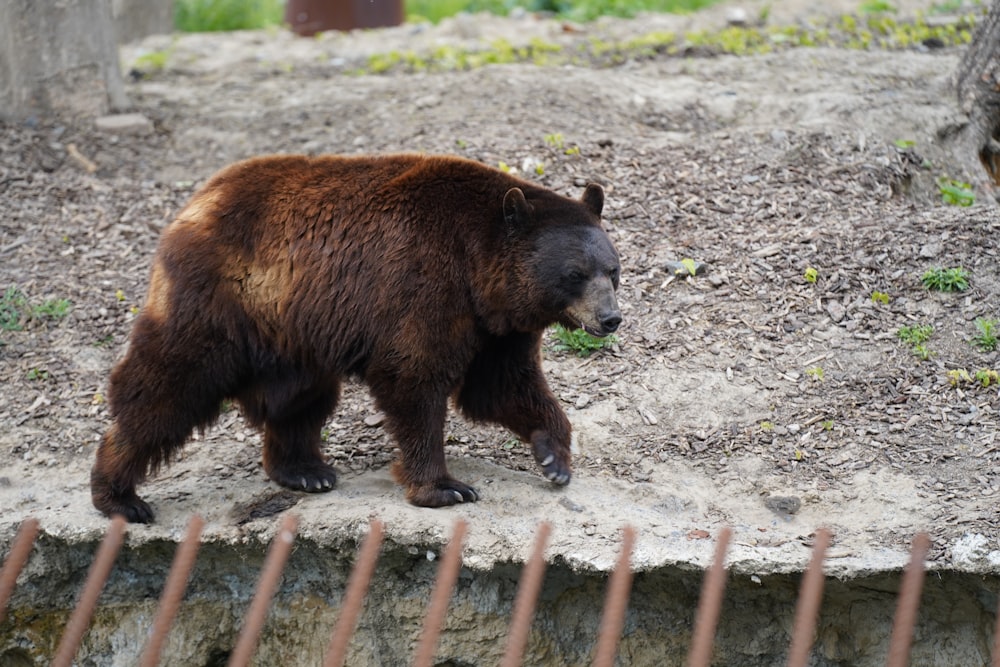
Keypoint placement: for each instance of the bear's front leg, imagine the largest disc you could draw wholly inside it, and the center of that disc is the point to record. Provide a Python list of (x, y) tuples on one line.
[(416, 418), (505, 384)]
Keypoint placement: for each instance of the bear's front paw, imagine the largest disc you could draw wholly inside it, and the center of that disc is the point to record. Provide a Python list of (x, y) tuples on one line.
[(308, 477), (442, 493), (555, 467)]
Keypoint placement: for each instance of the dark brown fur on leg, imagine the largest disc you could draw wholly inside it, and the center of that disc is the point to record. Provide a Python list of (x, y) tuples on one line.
[(292, 413), (157, 397), (504, 384), (416, 419), (112, 484)]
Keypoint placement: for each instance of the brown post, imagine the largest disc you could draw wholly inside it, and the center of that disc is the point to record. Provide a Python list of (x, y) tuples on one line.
[(307, 17)]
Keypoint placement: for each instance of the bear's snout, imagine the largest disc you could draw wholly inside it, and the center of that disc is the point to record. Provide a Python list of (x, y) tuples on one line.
[(611, 321), (597, 311)]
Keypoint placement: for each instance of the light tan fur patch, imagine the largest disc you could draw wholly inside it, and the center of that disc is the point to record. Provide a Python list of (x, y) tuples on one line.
[(158, 298)]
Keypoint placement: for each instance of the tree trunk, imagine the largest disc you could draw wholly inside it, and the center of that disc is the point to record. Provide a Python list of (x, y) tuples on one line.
[(58, 57), (978, 87)]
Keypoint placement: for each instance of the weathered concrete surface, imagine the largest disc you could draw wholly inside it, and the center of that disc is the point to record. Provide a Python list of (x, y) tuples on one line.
[(956, 621), (954, 627)]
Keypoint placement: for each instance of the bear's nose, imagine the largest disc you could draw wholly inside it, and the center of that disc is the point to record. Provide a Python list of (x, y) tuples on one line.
[(610, 322)]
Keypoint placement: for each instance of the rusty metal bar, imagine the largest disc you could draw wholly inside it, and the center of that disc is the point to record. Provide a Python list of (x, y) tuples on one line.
[(96, 578), (807, 609), (445, 582), (277, 556), (173, 591), (15, 561), (615, 604), (710, 604), (354, 596), (524, 601), (909, 601), (996, 641)]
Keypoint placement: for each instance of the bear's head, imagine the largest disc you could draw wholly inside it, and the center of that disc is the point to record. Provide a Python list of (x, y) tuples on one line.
[(572, 268)]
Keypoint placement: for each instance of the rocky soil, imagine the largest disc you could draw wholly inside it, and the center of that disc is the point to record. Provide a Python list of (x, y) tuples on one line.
[(748, 395)]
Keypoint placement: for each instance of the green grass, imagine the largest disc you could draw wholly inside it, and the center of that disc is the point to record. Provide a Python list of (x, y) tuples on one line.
[(575, 10), (955, 279), (220, 15), (12, 309), (579, 341), (915, 335), (16, 310), (52, 309)]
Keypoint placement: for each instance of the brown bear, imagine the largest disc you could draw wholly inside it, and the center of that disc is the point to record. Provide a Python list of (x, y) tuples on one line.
[(427, 277)]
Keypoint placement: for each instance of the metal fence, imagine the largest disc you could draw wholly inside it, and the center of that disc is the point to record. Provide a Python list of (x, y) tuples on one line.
[(532, 575)]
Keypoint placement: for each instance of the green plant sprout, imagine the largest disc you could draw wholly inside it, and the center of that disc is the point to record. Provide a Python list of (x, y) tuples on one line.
[(986, 339), (956, 193), (987, 376), (811, 275), (579, 341), (690, 265), (555, 140), (984, 377), (955, 279), (904, 144), (880, 297), (816, 373)]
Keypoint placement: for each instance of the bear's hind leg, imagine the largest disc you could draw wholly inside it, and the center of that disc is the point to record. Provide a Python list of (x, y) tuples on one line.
[(156, 400), (415, 415), (292, 416)]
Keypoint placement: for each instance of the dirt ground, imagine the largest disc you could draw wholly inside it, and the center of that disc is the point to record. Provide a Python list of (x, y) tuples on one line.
[(746, 396)]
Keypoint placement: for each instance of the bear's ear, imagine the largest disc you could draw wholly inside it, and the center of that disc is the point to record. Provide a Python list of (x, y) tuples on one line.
[(516, 210), (593, 198)]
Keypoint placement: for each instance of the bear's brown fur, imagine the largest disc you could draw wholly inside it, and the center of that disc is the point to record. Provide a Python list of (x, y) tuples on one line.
[(427, 277)]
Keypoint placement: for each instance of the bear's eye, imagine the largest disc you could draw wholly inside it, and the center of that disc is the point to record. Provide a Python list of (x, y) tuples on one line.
[(576, 276)]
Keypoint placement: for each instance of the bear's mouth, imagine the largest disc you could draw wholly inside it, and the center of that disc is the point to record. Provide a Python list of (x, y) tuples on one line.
[(579, 324)]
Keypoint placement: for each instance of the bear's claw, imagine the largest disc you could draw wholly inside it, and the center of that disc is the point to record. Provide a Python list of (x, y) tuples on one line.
[(442, 493), (555, 470), (560, 478)]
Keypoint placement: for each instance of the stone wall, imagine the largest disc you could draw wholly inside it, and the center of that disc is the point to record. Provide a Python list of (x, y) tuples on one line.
[(954, 627)]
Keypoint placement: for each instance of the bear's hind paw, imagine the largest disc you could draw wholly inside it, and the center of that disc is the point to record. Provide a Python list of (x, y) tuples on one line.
[(134, 509)]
